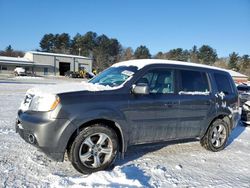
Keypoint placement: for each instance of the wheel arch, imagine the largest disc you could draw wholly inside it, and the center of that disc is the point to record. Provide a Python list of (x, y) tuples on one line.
[(115, 126), (224, 117)]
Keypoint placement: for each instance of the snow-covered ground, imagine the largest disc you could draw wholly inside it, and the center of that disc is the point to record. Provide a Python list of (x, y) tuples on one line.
[(159, 165)]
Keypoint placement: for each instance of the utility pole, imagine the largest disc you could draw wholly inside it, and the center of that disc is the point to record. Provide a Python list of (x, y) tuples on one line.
[(79, 51)]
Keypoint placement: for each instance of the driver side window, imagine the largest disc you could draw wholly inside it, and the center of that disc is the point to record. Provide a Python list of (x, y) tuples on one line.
[(159, 81)]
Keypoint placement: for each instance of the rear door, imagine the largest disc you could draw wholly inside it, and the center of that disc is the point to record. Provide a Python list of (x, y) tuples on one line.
[(195, 102), (227, 96)]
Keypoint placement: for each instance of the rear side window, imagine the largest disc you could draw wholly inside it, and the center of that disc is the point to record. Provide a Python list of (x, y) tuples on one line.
[(223, 83), (193, 81)]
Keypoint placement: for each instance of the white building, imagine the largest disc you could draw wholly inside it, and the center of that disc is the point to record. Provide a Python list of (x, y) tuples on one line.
[(238, 77), (42, 63)]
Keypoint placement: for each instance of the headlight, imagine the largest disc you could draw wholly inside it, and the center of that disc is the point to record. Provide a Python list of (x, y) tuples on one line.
[(44, 103)]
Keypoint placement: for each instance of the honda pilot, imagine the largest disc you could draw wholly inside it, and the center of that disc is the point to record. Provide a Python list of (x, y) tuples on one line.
[(132, 102)]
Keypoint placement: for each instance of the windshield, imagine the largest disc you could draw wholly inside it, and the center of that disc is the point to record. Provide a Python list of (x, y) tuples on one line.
[(114, 76)]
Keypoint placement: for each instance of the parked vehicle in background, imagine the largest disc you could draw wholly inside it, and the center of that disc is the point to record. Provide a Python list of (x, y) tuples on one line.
[(244, 93), (80, 74), (132, 102), (20, 71), (89, 75), (245, 114), (72, 74)]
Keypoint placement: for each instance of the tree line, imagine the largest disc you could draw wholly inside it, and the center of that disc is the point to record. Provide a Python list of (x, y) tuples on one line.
[(106, 51), (9, 51)]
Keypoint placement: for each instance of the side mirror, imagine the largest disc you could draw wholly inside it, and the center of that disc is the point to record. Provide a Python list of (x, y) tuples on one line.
[(141, 89)]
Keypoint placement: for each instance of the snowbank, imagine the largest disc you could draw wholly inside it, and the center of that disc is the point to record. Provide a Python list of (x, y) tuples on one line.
[(27, 78)]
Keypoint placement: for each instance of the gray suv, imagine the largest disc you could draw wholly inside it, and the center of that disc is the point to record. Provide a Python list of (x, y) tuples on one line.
[(132, 102)]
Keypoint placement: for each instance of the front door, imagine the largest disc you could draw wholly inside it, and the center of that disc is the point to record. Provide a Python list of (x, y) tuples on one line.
[(154, 117)]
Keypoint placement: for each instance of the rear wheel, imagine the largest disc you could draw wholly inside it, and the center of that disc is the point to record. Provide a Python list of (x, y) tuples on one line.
[(94, 149), (216, 137)]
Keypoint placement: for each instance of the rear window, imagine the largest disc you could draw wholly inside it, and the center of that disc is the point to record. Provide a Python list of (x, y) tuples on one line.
[(193, 81), (223, 83)]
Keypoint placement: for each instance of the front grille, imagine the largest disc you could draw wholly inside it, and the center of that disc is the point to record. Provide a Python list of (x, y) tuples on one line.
[(28, 99), (26, 102)]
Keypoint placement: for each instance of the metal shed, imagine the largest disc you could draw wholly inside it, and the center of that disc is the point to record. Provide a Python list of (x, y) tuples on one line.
[(42, 63)]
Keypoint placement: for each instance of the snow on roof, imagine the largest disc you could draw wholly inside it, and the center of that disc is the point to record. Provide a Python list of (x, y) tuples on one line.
[(236, 74), (140, 63), (15, 59), (19, 61), (61, 55)]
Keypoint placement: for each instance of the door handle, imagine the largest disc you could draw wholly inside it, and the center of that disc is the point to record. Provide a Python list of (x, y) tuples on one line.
[(170, 104)]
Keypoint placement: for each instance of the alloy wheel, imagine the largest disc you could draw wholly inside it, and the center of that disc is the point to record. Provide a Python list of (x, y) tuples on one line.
[(218, 135), (96, 150)]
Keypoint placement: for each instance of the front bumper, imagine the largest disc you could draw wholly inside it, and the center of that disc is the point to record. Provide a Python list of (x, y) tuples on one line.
[(49, 135)]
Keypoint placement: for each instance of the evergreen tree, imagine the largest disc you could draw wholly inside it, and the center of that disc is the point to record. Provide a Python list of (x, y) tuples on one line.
[(233, 60), (142, 52), (9, 51), (193, 55), (106, 52), (126, 54), (245, 62), (76, 45), (47, 43), (65, 42), (160, 55), (178, 54), (84, 45), (207, 55)]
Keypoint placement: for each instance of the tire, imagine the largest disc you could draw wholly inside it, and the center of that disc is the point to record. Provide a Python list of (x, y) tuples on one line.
[(95, 148), (216, 136)]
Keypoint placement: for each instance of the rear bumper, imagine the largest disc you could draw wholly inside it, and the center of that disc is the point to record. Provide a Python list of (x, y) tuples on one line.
[(44, 133), (245, 116), (236, 118)]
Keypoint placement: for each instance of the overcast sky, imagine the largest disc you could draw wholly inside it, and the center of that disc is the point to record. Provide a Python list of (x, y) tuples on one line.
[(161, 25)]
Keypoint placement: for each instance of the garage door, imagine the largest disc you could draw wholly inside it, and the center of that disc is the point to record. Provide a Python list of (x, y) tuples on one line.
[(63, 67)]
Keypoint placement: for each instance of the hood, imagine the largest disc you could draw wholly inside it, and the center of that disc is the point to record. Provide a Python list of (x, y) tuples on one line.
[(69, 87)]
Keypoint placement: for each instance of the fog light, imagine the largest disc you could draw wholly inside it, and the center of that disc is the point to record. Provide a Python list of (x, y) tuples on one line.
[(31, 138)]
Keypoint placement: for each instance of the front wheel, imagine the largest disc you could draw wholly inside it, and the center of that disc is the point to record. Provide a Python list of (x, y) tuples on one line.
[(216, 137), (94, 149)]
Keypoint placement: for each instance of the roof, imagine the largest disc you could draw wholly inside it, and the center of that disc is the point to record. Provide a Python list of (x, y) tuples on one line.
[(14, 59), (140, 63), (236, 74), (18, 61), (59, 55)]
